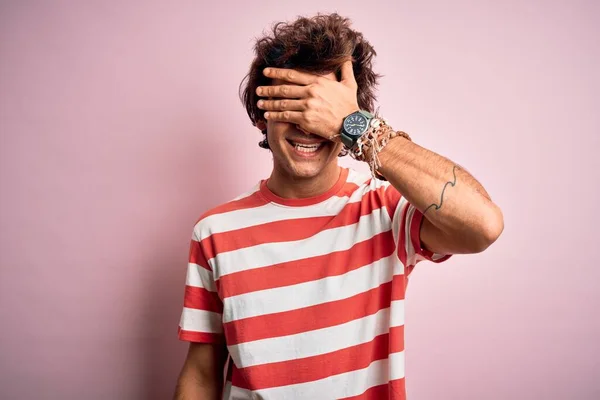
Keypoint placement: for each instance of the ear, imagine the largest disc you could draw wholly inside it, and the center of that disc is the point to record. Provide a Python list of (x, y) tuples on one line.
[(261, 125)]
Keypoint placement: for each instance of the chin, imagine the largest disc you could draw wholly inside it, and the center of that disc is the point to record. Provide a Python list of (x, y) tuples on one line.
[(306, 171)]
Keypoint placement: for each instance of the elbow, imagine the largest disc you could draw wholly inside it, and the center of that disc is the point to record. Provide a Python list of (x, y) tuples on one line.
[(490, 230)]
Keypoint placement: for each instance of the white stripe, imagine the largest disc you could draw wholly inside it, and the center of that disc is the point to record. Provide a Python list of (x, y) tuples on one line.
[(397, 219), (343, 385), (324, 242), (247, 217), (249, 193), (396, 313), (237, 393), (310, 293), (417, 259), (318, 342), (437, 256), (408, 246), (397, 365), (200, 321), (227, 392), (198, 276), (358, 178)]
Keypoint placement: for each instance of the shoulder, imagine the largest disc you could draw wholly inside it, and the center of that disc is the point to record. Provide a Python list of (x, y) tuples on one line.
[(211, 220)]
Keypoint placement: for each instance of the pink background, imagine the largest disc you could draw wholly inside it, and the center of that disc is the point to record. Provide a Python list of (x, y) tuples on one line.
[(120, 124)]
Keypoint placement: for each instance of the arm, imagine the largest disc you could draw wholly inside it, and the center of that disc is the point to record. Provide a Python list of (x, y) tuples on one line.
[(459, 214), (202, 373)]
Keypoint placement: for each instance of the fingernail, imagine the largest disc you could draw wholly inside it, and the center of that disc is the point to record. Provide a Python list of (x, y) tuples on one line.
[(266, 115), (260, 103), (266, 71), (259, 90)]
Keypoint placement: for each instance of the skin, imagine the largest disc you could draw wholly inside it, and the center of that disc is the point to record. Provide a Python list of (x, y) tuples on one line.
[(202, 374)]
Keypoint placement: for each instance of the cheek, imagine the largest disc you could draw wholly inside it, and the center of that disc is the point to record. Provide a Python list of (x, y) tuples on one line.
[(275, 133), (277, 130)]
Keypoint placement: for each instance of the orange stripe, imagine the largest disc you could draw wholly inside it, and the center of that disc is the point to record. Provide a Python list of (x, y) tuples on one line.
[(392, 199), (251, 201), (396, 339), (347, 189), (202, 299), (200, 337), (291, 229), (308, 269), (399, 287), (313, 368), (393, 390), (197, 255), (315, 317), (307, 201), (398, 389), (375, 393)]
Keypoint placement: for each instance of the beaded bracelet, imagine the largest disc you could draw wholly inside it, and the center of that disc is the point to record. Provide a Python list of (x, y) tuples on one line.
[(372, 142)]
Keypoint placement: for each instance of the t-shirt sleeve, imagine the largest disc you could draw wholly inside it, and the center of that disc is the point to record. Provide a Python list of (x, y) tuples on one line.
[(202, 316), (406, 225)]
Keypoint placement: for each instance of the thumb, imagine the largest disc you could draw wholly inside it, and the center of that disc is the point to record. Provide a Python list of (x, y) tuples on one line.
[(348, 74)]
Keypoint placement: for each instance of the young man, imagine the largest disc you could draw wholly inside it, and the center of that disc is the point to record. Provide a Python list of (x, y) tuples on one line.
[(295, 289)]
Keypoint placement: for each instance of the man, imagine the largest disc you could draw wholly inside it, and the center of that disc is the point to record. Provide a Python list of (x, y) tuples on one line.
[(295, 289)]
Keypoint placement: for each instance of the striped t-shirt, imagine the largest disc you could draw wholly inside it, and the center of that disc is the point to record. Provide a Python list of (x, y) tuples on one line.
[(308, 294)]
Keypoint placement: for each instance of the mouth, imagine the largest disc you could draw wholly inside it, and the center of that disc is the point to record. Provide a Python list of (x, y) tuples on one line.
[(306, 149)]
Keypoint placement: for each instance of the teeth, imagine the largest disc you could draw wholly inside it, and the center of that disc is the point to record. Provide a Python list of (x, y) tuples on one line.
[(305, 148)]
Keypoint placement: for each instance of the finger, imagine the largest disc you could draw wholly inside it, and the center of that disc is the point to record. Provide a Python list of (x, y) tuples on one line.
[(285, 91), (290, 75), (282, 105), (293, 117), (348, 73)]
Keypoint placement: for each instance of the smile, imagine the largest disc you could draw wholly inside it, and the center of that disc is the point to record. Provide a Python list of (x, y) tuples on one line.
[(306, 149)]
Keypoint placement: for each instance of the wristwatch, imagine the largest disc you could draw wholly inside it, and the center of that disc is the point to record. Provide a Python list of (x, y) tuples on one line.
[(354, 126)]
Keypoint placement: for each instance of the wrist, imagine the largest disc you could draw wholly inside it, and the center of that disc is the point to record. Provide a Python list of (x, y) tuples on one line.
[(373, 142)]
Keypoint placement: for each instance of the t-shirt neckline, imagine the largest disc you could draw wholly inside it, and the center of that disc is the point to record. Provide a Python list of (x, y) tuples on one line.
[(307, 201)]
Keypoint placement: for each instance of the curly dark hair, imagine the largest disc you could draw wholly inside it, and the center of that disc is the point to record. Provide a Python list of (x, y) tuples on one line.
[(320, 45)]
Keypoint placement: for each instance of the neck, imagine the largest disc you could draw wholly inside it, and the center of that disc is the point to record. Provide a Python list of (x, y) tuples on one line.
[(290, 187)]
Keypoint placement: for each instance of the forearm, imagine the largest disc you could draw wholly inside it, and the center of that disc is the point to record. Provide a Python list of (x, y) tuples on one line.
[(191, 386), (450, 198)]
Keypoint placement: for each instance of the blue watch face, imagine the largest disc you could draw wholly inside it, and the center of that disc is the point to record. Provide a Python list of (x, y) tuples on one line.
[(355, 124)]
